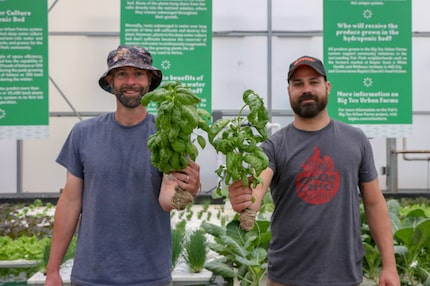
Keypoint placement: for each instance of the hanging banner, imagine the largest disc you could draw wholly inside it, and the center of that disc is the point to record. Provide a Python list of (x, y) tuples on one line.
[(178, 34), (367, 53), (24, 111)]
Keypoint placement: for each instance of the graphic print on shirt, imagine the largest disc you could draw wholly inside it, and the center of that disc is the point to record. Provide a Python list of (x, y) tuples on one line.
[(319, 181)]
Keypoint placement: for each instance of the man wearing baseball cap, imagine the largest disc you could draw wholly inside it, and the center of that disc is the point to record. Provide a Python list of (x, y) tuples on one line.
[(319, 171), (120, 200), (312, 62)]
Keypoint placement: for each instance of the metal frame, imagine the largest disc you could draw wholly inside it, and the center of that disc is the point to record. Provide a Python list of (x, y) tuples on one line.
[(392, 152)]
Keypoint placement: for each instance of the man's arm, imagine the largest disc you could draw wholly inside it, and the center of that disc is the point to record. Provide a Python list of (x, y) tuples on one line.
[(67, 213), (380, 227)]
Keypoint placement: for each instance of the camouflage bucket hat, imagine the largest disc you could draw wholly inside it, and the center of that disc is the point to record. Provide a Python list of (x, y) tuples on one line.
[(128, 56)]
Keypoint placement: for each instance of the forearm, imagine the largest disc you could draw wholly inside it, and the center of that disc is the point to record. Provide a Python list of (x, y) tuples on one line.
[(65, 221), (260, 190), (380, 228), (257, 198)]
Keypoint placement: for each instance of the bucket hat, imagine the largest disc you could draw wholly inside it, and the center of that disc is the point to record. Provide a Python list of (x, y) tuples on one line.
[(131, 56)]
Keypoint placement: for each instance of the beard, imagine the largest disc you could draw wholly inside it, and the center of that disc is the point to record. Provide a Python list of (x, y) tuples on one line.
[(309, 109), (129, 100)]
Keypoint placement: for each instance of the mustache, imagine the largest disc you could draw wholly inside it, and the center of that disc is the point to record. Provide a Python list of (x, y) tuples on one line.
[(130, 87), (307, 96)]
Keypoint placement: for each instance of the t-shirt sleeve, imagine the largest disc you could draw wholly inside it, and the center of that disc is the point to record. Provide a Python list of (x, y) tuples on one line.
[(367, 171), (69, 156), (268, 148)]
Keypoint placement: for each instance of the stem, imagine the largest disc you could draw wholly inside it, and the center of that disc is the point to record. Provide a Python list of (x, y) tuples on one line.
[(240, 111)]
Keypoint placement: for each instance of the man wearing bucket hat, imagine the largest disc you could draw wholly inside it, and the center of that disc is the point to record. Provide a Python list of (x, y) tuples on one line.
[(318, 169), (121, 201)]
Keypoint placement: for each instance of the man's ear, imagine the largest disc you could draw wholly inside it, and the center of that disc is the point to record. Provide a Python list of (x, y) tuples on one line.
[(109, 79), (328, 84)]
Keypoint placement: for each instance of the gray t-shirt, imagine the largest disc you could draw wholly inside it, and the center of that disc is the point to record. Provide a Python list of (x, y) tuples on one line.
[(316, 222), (124, 235)]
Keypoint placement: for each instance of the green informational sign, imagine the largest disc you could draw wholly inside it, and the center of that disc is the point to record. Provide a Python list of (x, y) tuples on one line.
[(24, 111), (178, 33), (367, 53)]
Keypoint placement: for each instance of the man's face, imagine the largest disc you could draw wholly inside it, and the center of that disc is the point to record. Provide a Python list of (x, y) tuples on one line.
[(308, 92), (129, 84)]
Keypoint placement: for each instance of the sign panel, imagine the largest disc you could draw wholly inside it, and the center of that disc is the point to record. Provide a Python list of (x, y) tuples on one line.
[(367, 53), (24, 111), (178, 33)]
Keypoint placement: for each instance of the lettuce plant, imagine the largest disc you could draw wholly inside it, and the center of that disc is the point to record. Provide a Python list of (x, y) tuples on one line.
[(411, 233), (242, 254), (413, 247)]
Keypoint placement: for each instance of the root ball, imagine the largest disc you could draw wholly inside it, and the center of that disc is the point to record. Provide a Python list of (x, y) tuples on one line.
[(247, 219), (181, 199)]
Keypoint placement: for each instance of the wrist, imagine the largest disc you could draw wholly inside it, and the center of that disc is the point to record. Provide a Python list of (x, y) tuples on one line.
[(198, 190)]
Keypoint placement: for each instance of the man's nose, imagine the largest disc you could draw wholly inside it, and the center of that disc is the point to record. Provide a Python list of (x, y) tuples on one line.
[(131, 79), (307, 88)]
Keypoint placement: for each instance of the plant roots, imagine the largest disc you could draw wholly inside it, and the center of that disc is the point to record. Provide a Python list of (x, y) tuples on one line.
[(181, 199), (247, 219)]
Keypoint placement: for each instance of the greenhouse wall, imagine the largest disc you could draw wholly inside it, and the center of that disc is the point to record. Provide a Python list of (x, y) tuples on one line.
[(81, 33)]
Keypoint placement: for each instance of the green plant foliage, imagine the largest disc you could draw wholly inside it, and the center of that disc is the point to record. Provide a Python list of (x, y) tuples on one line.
[(178, 116), (237, 138), (243, 253), (267, 207), (411, 203), (221, 267), (26, 220), (195, 251), (413, 249), (25, 230), (372, 261), (178, 235), (411, 233), (70, 253), (24, 247)]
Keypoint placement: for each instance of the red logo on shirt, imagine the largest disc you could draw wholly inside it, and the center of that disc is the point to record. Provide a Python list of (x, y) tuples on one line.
[(319, 181)]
